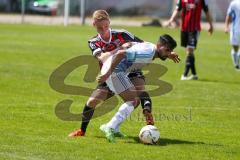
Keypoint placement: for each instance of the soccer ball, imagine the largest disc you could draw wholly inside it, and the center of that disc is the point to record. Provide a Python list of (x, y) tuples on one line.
[(149, 134)]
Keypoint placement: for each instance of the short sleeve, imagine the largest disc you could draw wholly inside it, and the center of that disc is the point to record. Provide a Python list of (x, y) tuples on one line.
[(230, 10), (131, 54), (94, 48), (179, 5), (205, 5)]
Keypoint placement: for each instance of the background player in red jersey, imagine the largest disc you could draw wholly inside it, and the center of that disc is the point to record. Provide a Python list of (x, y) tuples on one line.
[(104, 44), (190, 30)]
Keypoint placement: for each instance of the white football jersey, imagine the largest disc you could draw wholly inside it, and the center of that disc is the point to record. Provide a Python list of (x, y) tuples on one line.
[(136, 57), (234, 12)]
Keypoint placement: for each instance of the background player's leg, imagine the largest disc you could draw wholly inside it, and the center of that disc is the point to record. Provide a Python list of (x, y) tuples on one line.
[(187, 65), (190, 59), (235, 56), (192, 63), (184, 43)]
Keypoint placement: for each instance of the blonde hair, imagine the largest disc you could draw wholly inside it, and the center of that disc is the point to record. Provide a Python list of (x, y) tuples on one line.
[(100, 15)]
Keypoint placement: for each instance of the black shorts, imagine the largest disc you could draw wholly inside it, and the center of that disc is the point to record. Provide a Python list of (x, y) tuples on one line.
[(131, 76), (189, 39), (136, 74)]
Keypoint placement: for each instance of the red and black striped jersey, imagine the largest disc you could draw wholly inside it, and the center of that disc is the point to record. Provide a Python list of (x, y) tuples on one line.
[(117, 38), (191, 13)]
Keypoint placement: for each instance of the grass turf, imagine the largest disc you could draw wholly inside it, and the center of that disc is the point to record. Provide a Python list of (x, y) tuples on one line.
[(197, 119)]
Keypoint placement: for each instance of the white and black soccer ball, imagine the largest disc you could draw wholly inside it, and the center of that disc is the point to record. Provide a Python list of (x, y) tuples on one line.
[(149, 134)]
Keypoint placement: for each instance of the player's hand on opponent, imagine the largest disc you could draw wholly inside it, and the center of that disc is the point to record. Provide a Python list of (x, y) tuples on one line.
[(174, 56), (128, 45), (102, 77)]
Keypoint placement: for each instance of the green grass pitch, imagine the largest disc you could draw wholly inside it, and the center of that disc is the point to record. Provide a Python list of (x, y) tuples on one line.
[(197, 119)]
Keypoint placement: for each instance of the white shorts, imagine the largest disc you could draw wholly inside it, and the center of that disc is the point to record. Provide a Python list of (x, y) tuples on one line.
[(235, 38), (119, 82)]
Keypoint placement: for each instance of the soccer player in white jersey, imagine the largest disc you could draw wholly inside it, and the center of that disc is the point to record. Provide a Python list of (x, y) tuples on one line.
[(118, 65), (233, 16)]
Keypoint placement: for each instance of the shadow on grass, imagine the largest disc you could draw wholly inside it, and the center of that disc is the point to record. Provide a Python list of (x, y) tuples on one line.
[(167, 141), (217, 81), (162, 141)]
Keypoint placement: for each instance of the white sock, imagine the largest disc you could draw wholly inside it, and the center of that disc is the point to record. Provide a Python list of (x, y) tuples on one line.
[(122, 114), (117, 129), (234, 57)]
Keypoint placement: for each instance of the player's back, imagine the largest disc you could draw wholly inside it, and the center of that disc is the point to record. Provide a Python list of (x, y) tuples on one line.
[(136, 57)]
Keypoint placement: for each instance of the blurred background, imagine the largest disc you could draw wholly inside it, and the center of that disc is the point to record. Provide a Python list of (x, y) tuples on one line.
[(160, 9)]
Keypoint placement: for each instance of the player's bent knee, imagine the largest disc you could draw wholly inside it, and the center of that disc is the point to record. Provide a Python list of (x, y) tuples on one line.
[(136, 103), (93, 102)]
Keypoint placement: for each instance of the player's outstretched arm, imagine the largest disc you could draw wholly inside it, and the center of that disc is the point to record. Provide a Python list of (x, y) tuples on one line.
[(128, 45), (102, 57), (174, 56)]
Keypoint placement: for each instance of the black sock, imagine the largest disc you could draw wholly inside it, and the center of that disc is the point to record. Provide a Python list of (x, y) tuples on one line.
[(187, 65), (192, 61), (86, 117), (146, 101)]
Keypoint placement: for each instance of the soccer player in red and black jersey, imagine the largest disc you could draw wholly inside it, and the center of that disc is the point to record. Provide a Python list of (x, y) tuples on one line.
[(190, 29), (107, 42)]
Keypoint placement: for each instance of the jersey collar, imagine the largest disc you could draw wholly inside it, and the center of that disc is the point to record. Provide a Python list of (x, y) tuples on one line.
[(110, 37)]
